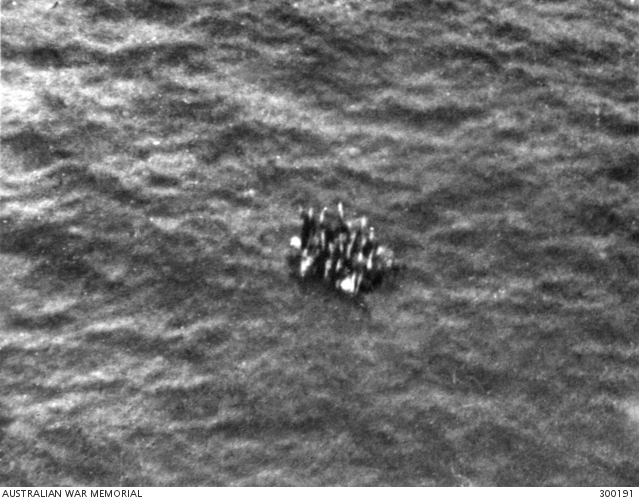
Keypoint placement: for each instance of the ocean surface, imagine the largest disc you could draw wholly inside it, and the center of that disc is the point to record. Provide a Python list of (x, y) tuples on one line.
[(154, 156)]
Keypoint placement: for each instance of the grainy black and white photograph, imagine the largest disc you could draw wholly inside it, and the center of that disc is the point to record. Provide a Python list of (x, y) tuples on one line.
[(319, 243)]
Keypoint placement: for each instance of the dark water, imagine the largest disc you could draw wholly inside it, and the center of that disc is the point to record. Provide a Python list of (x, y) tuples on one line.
[(153, 158)]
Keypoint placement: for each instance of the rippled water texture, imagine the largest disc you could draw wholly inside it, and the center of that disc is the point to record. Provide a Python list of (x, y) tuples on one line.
[(154, 155)]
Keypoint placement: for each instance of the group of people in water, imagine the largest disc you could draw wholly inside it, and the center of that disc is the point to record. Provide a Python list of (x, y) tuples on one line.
[(345, 254)]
